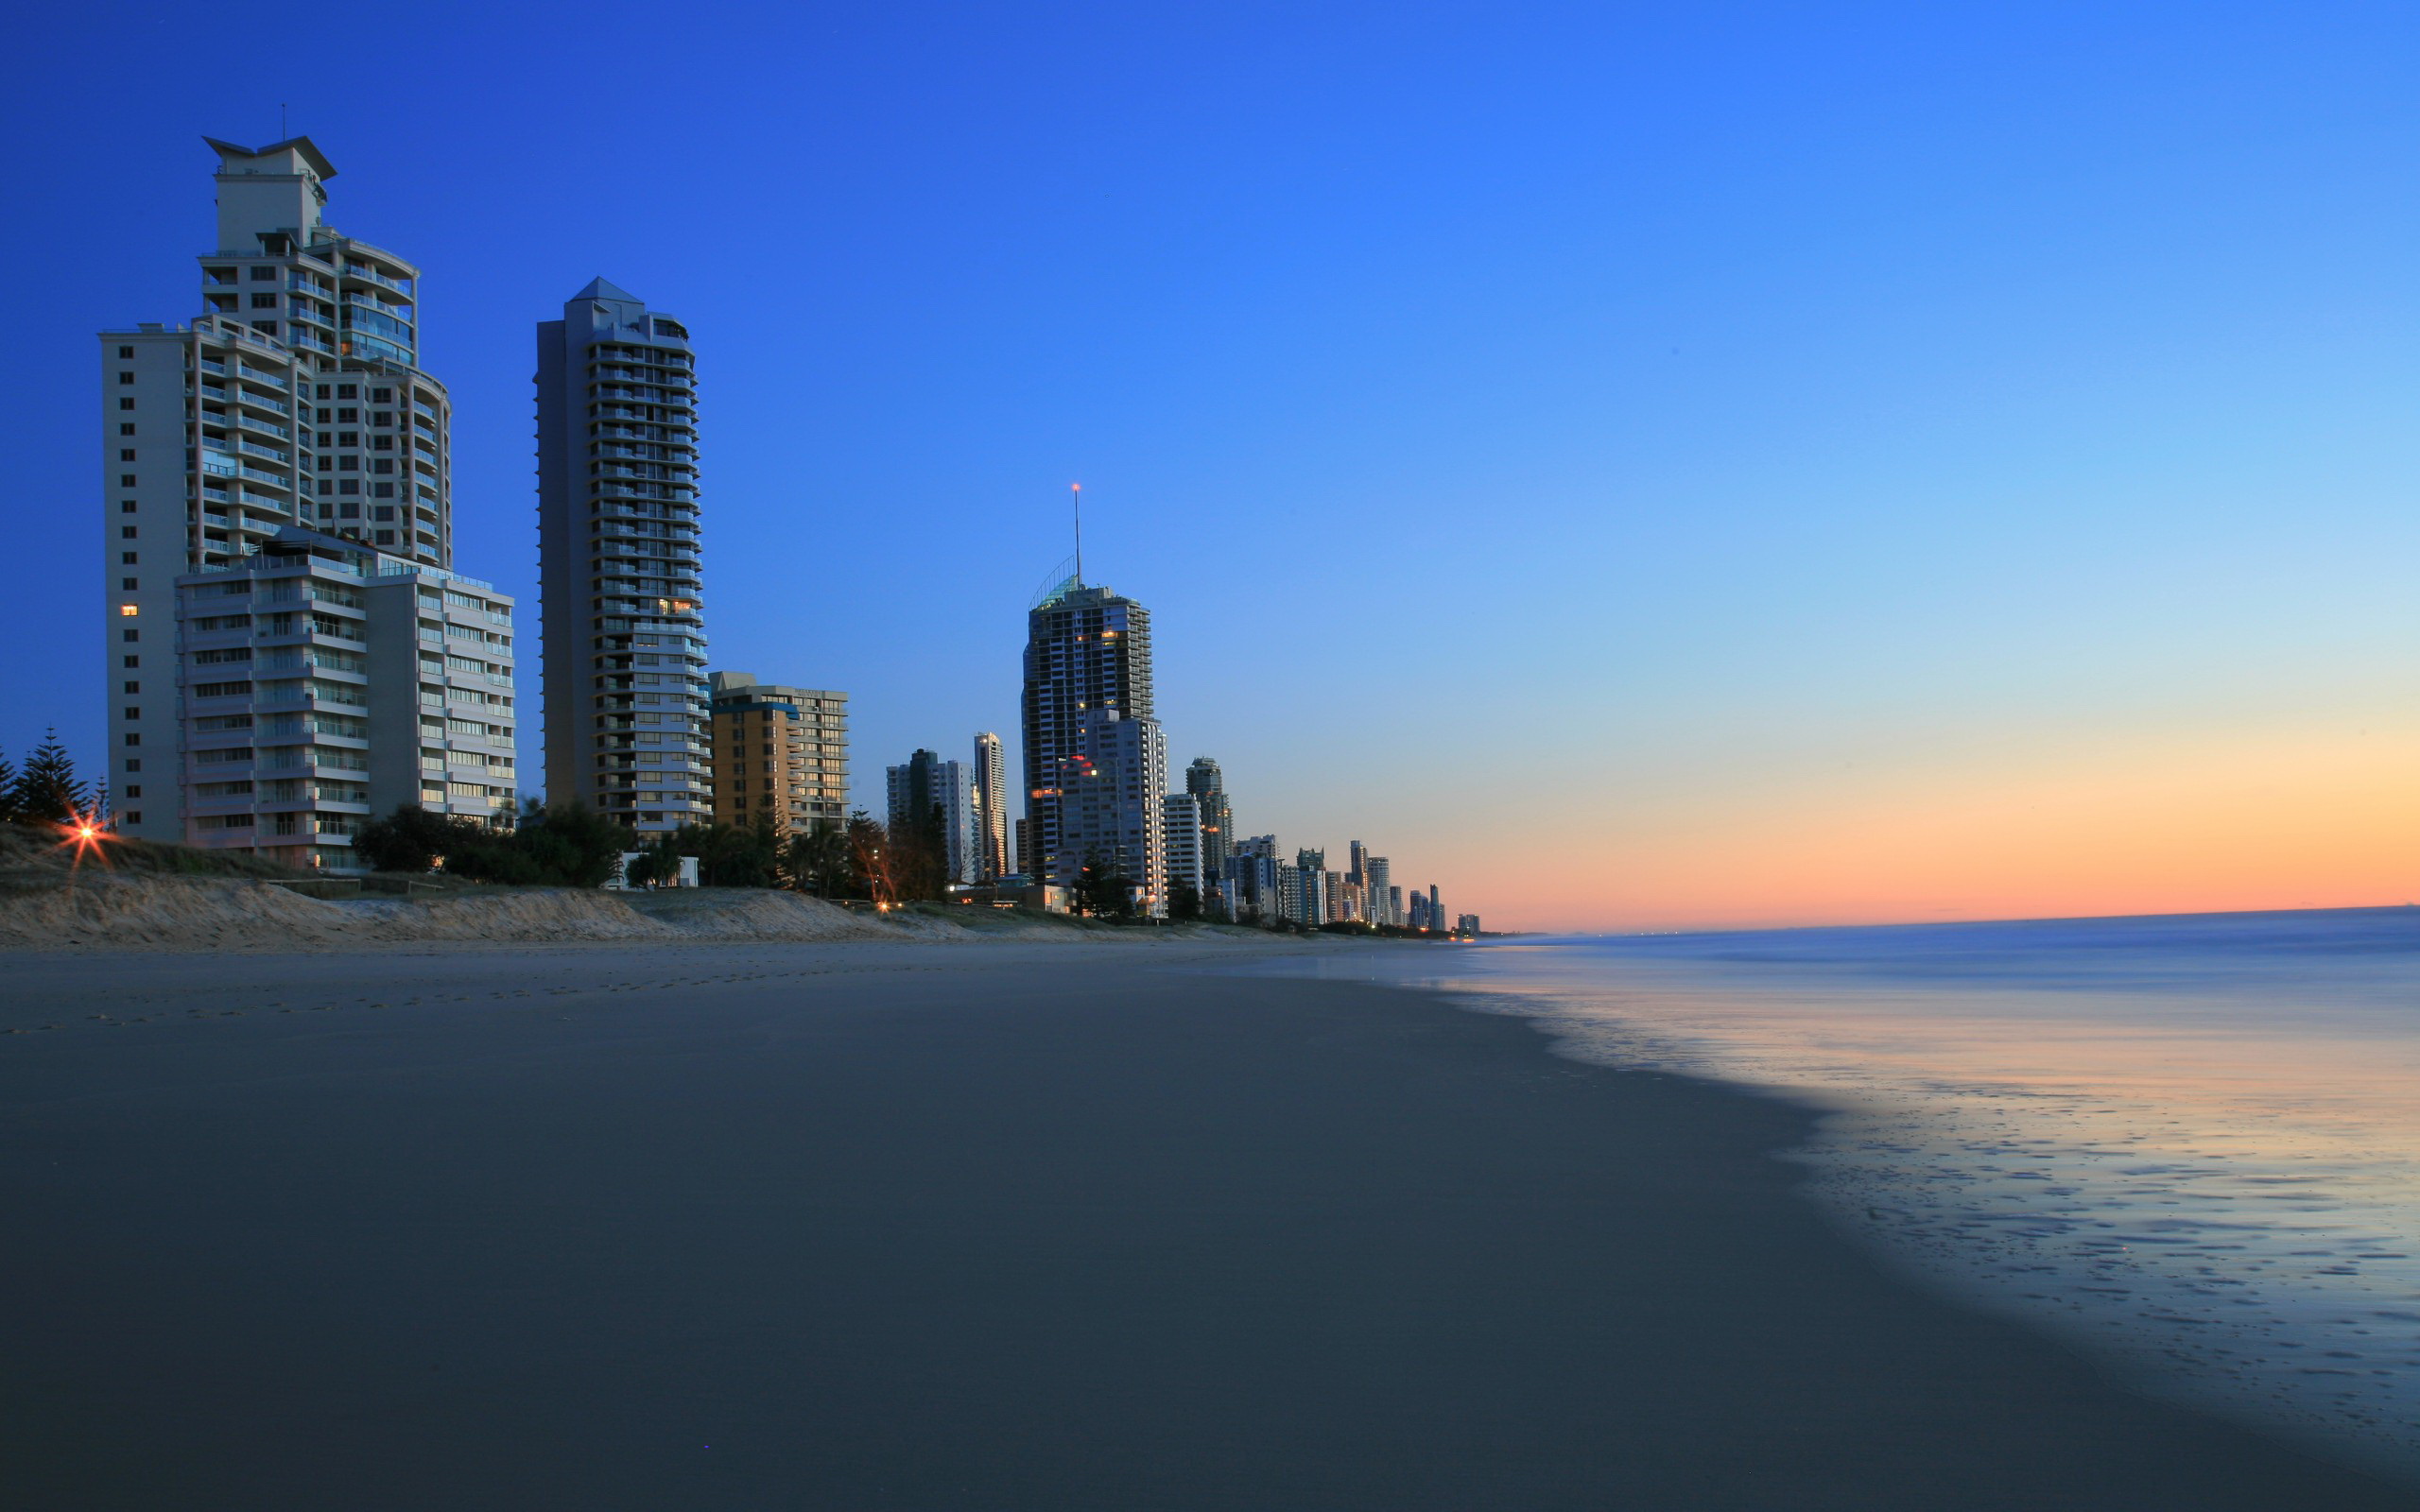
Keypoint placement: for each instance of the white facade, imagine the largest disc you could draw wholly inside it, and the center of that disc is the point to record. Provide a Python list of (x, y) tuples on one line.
[(1180, 837), (320, 684), (992, 805), (293, 401), (1110, 811)]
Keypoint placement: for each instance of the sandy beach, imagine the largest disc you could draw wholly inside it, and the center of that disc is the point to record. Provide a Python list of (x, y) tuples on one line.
[(967, 1224)]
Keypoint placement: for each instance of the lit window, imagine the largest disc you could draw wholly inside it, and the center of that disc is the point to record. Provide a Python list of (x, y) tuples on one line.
[(129, 611)]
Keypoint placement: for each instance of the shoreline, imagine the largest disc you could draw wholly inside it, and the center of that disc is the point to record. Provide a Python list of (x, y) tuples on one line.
[(967, 1224)]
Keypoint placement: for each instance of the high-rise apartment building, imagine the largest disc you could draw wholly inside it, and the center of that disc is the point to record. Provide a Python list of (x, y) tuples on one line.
[(285, 447), (1096, 760), (324, 684), (779, 751), (1209, 789), (1436, 909), (627, 701), (1382, 897), (1466, 925), (1247, 883), (935, 798), (991, 806), (1181, 838)]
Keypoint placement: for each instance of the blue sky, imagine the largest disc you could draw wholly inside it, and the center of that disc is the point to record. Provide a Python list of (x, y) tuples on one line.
[(1622, 461)]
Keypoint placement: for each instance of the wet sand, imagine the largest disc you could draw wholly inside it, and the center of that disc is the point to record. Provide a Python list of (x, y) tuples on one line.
[(970, 1227)]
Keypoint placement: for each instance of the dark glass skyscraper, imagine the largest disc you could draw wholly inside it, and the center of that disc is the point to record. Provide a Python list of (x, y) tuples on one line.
[(1095, 763), (1209, 790)]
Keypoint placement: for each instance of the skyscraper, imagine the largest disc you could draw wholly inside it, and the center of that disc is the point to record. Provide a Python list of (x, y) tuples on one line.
[(992, 805), (1209, 789), (780, 751), (1096, 761), (1181, 832), (1436, 909), (936, 799), (1251, 879), (1383, 898), (285, 643), (625, 660)]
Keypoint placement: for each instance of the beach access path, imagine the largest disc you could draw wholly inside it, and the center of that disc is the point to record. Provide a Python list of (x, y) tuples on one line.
[(976, 1225)]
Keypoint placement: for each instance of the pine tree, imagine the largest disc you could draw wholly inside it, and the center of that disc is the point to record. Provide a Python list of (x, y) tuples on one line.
[(7, 790), (46, 790)]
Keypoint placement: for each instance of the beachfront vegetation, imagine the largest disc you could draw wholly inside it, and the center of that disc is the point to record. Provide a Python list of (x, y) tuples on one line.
[(46, 790), (560, 847)]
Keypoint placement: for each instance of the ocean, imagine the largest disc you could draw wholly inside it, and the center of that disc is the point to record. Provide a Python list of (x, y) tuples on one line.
[(2189, 1143)]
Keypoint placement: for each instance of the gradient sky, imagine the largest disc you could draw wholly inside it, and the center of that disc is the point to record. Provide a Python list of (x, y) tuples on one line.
[(1636, 466)]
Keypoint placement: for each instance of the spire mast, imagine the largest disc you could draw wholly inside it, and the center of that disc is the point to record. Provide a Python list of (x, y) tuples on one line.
[(1076, 496)]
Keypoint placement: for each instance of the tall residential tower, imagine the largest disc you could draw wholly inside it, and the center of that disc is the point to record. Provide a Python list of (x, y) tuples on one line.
[(1096, 762), (992, 805), (287, 648), (624, 658)]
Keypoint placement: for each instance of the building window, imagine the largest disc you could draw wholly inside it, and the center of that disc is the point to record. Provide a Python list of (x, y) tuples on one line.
[(125, 559), (126, 532), (126, 480), (134, 763), (133, 714), (382, 490), (135, 740), (127, 507), (321, 392), (133, 687), (382, 396), (125, 354), (135, 790), (127, 429), (127, 583), (347, 391), (264, 275), (134, 816), (267, 328), (126, 403), (386, 538), (264, 301), (134, 662), (126, 454)]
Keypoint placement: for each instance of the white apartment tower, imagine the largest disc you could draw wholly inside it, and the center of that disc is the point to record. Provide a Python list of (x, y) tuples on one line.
[(289, 420), (627, 701), (992, 805), (1181, 838)]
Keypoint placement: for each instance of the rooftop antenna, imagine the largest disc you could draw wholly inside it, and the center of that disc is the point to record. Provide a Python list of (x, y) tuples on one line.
[(1075, 494), (281, 122)]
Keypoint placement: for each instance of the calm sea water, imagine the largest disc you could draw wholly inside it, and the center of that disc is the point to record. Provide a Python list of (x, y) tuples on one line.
[(2192, 1143)]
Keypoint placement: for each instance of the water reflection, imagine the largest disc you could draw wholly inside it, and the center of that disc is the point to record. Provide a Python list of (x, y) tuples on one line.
[(2191, 1140)]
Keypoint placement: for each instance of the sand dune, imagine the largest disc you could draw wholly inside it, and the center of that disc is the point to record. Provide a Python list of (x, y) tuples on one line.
[(106, 911)]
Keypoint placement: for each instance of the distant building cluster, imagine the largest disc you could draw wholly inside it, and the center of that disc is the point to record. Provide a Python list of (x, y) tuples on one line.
[(292, 651)]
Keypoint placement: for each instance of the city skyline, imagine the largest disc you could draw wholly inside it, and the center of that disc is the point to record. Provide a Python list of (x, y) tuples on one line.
[(1959, 506)]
